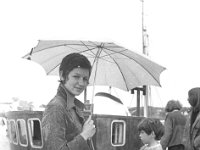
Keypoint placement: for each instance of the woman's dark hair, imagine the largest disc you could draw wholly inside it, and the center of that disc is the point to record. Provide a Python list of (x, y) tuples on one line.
[(173, 105), (71, 61), (194, 100), (150, 125)]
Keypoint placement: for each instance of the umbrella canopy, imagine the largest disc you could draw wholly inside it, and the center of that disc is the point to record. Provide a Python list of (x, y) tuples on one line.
[(112, 65)]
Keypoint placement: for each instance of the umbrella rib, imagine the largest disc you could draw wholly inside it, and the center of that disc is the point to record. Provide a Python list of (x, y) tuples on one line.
[(95, 45), (67, 45), (53, 68), (88, 49), (119, 69), (103, 47), (131, 59), (93, 52), (83, 50), (55, 46)]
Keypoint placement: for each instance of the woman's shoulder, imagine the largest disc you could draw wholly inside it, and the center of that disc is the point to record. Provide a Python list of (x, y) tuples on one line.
[(55, 105)]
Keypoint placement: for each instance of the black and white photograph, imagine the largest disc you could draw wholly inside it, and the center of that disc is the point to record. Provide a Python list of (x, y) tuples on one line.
[(99, 75)]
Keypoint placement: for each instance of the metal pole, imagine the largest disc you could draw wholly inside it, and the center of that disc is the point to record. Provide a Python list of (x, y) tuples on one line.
[(146, 101), (138, 102), (144, 48)]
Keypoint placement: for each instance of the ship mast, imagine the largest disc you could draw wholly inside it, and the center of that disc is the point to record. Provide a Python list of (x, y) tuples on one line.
[(145, 89), (144, 49)]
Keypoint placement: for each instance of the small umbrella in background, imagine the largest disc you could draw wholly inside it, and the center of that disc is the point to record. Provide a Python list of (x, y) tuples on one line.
[(112, 65)]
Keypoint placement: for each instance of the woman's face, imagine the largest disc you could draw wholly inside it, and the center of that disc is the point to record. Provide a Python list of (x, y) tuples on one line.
[(77, 81)]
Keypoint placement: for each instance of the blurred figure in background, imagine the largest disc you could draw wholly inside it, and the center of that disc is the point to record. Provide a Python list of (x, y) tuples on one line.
[(174, 127), (194, 100)]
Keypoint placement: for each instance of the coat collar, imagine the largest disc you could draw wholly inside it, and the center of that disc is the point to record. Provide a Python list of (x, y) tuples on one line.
[(196, 120), (67, 100)]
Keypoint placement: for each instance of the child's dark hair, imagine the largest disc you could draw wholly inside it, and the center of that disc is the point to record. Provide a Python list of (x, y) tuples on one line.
[(150, 125)]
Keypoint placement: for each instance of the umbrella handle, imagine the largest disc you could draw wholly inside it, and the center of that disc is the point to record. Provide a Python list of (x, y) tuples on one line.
[(86, 102), (91, 143), (92, 101)]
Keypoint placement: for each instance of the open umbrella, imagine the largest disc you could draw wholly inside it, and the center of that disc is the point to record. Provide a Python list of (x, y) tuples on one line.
[(112, 65)]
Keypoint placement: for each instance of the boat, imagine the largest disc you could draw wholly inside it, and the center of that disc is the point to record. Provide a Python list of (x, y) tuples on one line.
[(114, 132)]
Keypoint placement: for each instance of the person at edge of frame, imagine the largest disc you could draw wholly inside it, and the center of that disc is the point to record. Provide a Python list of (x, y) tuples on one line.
[(194, 130)]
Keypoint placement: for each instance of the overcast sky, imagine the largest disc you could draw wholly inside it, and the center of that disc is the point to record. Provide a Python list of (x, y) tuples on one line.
[(172, 26)]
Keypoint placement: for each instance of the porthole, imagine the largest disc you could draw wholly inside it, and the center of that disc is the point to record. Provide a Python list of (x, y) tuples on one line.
[(21, 126), (35, 134), (118, 132), (13, 132)]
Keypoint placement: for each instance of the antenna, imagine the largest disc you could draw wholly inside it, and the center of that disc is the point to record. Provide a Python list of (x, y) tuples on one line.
[(145, 37)]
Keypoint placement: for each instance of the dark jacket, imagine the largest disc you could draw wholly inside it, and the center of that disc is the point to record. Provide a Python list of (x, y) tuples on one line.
[(195, 133), (62, 123), (174, 129)]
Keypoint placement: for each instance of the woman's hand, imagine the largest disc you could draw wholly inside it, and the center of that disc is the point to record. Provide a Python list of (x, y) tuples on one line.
[(88, 129)]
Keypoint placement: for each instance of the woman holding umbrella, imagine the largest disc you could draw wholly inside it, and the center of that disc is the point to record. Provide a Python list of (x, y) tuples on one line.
[(63, 124)]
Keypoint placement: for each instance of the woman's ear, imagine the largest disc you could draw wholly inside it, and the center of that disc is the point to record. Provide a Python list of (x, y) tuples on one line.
[(61, 76)]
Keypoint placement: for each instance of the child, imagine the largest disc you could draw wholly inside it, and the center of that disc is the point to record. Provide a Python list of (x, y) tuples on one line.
[(150, 132)]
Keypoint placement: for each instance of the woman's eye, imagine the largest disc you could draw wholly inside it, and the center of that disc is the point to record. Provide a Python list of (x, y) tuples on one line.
[(85, 79), (76, 77)]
